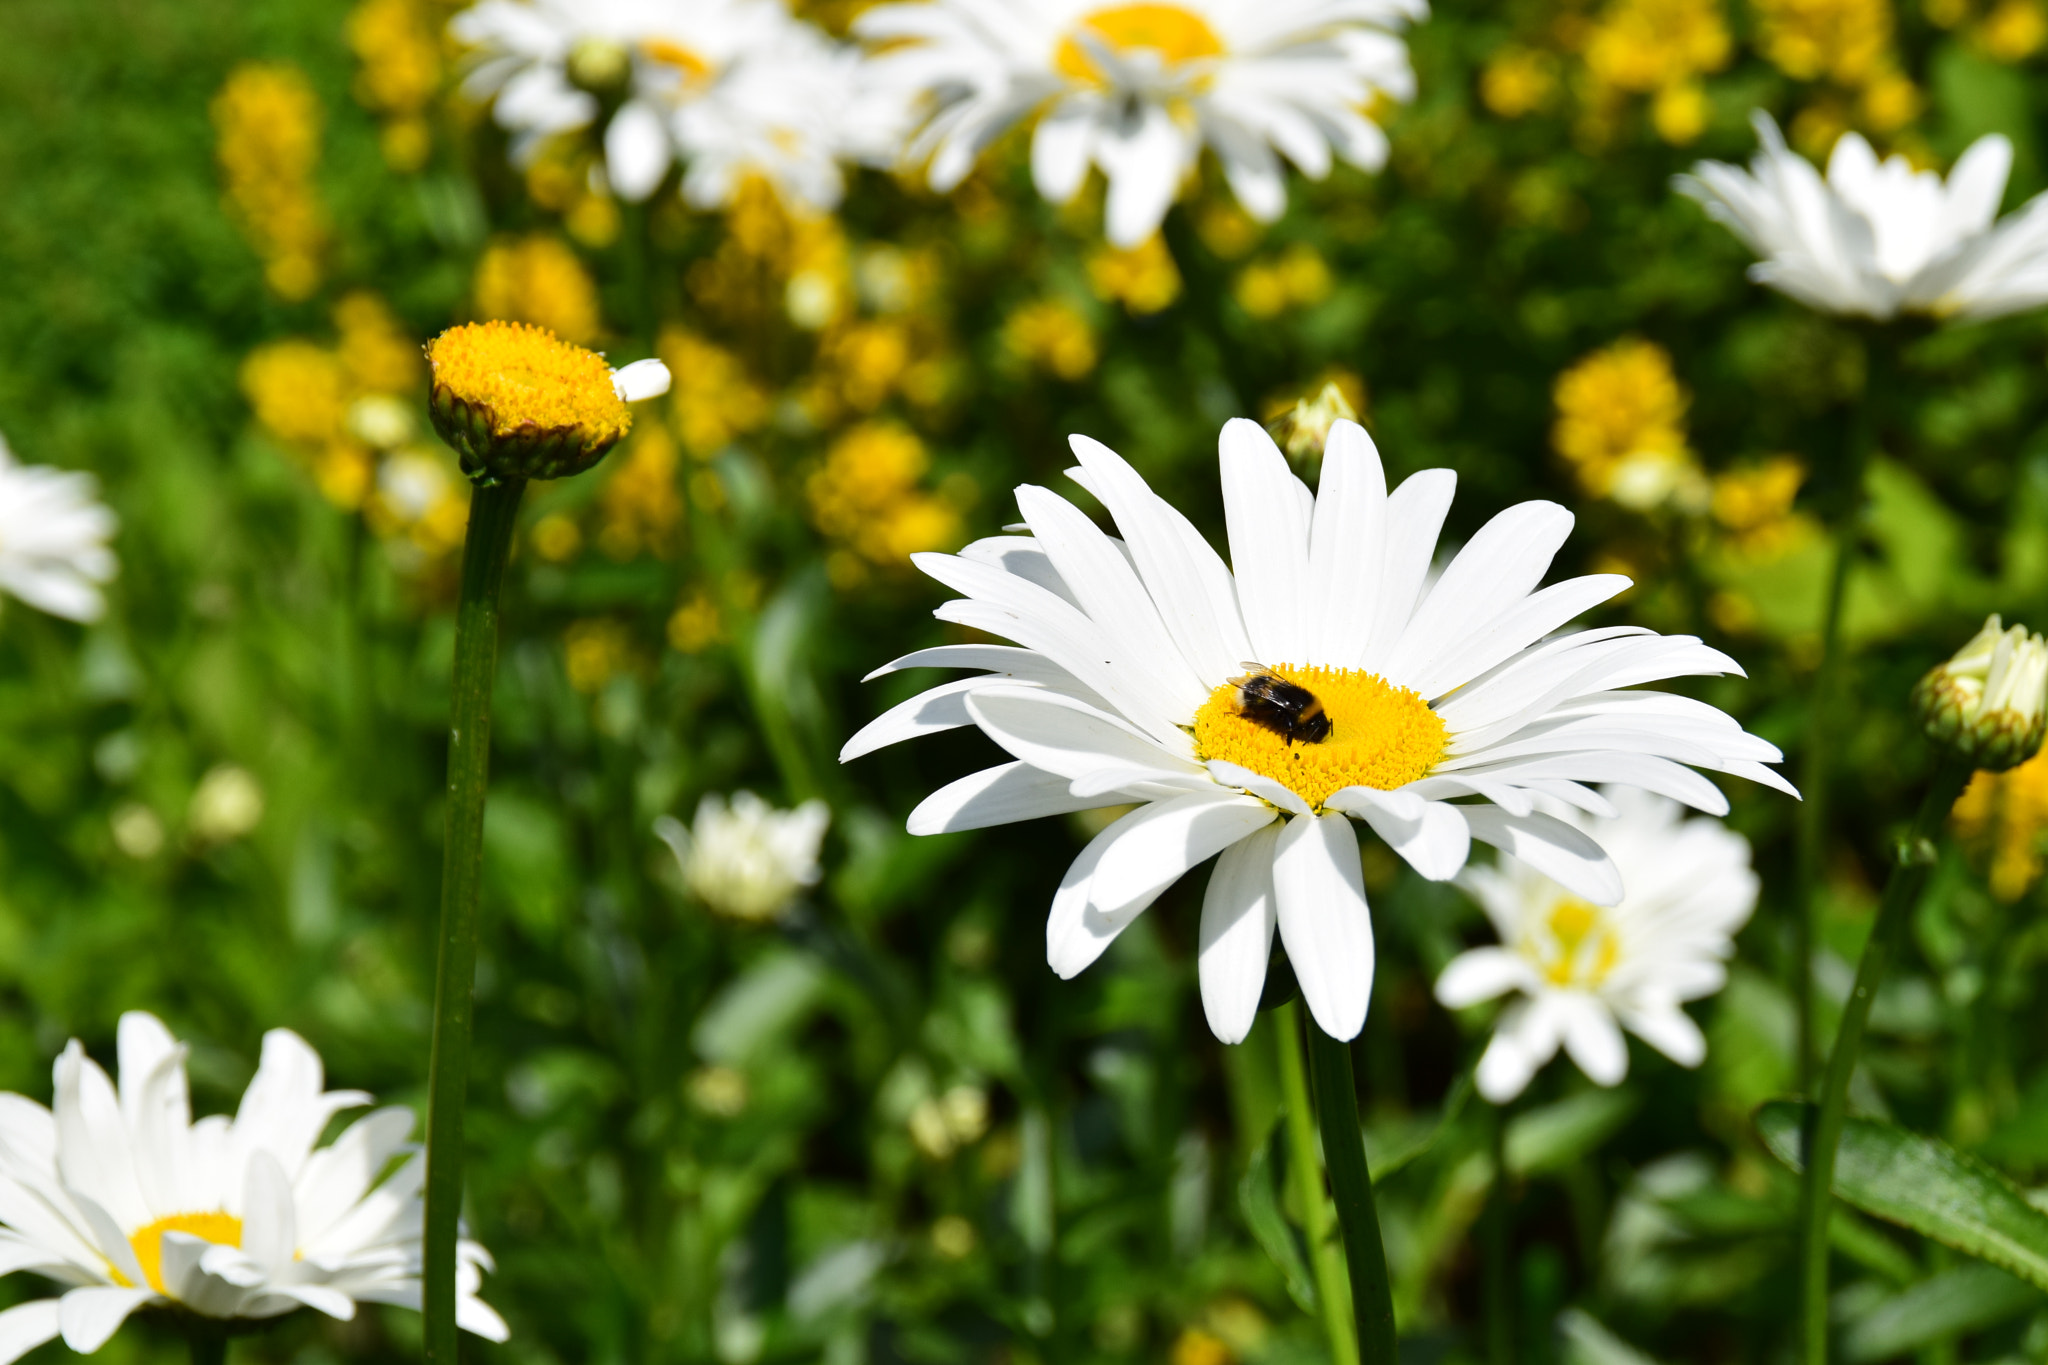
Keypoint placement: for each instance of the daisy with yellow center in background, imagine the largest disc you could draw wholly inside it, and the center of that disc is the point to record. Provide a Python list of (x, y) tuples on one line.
[(53, 539), (1582, 973), (1140, 89), (1437, 709), (121, 1197)]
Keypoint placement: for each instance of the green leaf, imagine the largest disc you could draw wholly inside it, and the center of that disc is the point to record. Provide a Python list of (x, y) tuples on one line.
[(1969, 1298), (1556, 1135), (1258, 1198), (1926, 1185)]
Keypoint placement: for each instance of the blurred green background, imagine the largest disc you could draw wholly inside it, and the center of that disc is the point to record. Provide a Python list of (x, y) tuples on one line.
[(881, 1130)]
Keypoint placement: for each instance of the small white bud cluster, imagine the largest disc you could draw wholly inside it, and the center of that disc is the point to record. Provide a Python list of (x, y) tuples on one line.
[(746, 859), (1990, 702)]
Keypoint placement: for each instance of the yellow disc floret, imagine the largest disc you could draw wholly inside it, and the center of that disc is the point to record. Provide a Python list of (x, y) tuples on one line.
[(1574, 946), (1381, 736), (518, 402), (222, 1229), (1175, 32)]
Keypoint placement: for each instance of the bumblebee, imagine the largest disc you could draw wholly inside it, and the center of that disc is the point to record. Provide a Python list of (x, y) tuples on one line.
[(1287, 709)]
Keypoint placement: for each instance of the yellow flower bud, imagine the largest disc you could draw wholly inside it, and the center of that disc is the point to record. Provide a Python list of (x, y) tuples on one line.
[(1987, 703)]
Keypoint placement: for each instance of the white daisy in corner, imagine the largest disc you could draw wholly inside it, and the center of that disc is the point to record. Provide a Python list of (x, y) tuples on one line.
[(1140, 89), (53, 539), (1877, 239), (119, 1196), (1434, 710), (1583, 972)]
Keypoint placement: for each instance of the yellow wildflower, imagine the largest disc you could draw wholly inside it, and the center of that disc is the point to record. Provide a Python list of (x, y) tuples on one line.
[(401, 72), (1890, 102), (1051, 335), (1754, 506), (1297, 279), (1197, 1347), (1303, 427), (714, 401), (539, 280), (556, 538), (696, 625), (1679, 113), (1643, 46), (593, 653), (867, 496), (640, 503), (268, 123), (380, 355), (1227, 230), (1518, 81), (298, 390), (1143, 279), (2001, 817), (1621, 426), (2013, 31), (1845, 41), (869, 360), (1945, 13), (419, 506)]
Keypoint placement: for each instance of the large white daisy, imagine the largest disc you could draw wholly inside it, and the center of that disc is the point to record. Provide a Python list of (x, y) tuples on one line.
[(1877, 239), (1140, 89), (1582, 972), (53, 539), (1451, 712), (121, 1197)]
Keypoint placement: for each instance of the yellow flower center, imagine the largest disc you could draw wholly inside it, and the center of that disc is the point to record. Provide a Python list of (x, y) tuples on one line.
[(1579, 948), (528, 378), (222, 1229), (670, 53), (1380, 736), (1177, 34)]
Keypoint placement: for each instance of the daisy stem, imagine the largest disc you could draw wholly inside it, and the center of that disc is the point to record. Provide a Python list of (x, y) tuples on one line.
[(1372, 1298), (1914, 862), (1500, 1328), (1303, 1167), (492, 512)]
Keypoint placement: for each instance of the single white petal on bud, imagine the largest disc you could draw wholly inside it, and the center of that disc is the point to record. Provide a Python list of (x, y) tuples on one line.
[(641, 379)]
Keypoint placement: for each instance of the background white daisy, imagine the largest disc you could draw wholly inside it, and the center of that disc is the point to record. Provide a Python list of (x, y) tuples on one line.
[(53, 539), (1581, 972), (1139, 89)]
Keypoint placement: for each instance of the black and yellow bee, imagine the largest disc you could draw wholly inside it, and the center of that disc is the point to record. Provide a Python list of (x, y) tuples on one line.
[(1287, 709)]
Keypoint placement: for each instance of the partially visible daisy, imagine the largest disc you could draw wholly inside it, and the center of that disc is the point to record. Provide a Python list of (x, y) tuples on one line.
[(744, 858), (1876, 239), (53, 539), (1581, 972), (539, 60), (1140, 89), (1451, 708), (119, 1196)]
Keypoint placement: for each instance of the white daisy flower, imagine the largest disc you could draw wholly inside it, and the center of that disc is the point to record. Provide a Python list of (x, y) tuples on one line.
[(1140, 89), (1436, 690), (53, 539), (1877, 239), (1584, 972), (531, 54), (747, 859), (121, 1197)]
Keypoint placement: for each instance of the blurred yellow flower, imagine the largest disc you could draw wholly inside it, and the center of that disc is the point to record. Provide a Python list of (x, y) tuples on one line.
[(1304, 428), (593, 653), (1518, 81), (953, 1237), (641, 505), (1754, 507), (1296, 279), (267, 119), (298, 390), (1890, 101), (1227, 230), (1197, 1347), (419, 506), (380, 355), (1051, 335), (1144, 279), (556, 538), (1845, 41), (714, 401), (1621, 426), (867, 496), (869, 360), (539, 280), (2013, 31), (400, 75), (696, 625), (1643, 46), (1679, 113), (2001, 817)]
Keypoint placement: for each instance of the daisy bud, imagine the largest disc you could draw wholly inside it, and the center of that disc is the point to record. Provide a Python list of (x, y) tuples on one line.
[(1305, 429), (601, 65), (1987, 703), (516, 402)]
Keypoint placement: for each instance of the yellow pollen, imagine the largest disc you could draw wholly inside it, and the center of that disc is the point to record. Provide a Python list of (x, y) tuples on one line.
[(1381, 736), (676, 55), (222, 1229), (528, 377), (1177, 34), (1580, 948)]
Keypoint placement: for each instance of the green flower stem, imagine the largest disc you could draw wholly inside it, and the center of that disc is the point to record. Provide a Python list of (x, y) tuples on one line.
[(492, 512), (1813, 785), (1816, 1193), (1303, 1169), (209, 1348), (1372, 1297), (1500, 1324)]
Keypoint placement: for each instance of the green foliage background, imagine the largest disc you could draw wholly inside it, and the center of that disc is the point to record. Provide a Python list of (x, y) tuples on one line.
[(1115, 1198)]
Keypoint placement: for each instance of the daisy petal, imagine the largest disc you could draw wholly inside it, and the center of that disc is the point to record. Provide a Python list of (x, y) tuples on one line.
[(1238, 919), (1552, 847), (1481, 974), (27, 1326), (1671, 1031), (1431, 835), (1319, 887), (1592, 1038), (89, 1317), (1263, 506), (1065, 736), (1000, 795), (1168, 839)]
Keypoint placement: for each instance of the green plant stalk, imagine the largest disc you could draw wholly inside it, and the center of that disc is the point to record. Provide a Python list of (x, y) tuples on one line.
[(1372, 1295), (1303, 1165), (209, 1348), (1816, 1192), (492, 512), (1813, 784), (1500, 1324)]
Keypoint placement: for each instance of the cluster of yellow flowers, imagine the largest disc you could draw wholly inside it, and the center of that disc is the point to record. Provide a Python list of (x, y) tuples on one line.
[(350, 412), (1659, 48), (1753, 507), (713, 399), (1846, 44), (2003, 817), (868, 496), (559, 180), (268, 123), (400, 74), (1052, 335), (1297, 278), (1621, 427), (1144, 279), (538, 279)]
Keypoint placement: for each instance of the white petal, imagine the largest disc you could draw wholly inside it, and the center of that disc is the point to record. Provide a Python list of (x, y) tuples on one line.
[(1496, 569), (269, 1221), (25, 1327), (1320, 889), (92, 1141), (1001, 795), (1075, 933), (1347, 547), (1593, 1040), (1065, 736), (1481, 974), (88, 1317), (1060, 147), (1671, 1031), (1144, 170), (1432, 836), (1238, 918), (636, 151), (1415, 514), (641, 380), (1168, 839), (1522, 1041), (1263, 506), (1259, 785), (1563, 854)]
